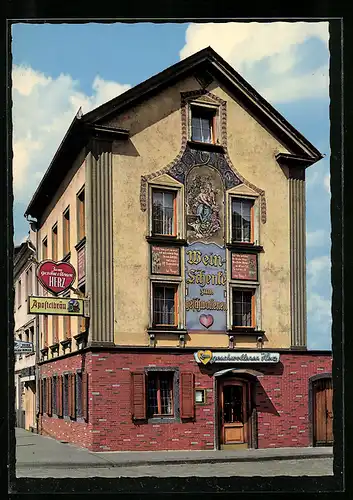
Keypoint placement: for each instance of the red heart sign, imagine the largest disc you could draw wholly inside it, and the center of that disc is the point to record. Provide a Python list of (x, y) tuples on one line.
[(206, 320), (56, 276)]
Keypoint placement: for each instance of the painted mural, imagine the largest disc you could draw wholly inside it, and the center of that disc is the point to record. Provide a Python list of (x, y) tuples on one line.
[(205, 206), (205, 280)]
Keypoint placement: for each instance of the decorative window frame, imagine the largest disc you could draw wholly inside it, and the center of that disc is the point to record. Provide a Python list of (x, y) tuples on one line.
[(176, 394), (179, 212), (246, 285), (256, 218), (176, 281), (213, 107)]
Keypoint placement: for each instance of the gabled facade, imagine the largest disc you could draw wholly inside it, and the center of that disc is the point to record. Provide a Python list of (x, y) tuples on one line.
[(25, 329), (193, 258)]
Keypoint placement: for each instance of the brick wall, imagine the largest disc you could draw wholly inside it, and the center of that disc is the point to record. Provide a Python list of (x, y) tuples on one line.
[(281, 400), (65, 429)]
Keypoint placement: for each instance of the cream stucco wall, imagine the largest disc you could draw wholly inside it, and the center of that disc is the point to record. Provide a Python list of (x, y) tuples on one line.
[(155, 140), (66, 197)]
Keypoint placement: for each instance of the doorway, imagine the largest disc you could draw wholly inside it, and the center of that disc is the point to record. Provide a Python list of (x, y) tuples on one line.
[(234, 429), (322, 412)]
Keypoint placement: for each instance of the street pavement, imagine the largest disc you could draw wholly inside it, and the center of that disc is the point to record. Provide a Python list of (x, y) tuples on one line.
[(41, 456)]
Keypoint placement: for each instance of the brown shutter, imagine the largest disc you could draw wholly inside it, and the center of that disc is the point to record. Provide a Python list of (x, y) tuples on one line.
[(138, 396), (73, 394), (40, 396), (187, 405), (47, 396), (60, 396), (69, 400), (84, 395), (50, 400)]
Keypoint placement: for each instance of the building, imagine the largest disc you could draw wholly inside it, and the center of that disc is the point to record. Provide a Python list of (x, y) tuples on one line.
[(181, 203), (25, 328)]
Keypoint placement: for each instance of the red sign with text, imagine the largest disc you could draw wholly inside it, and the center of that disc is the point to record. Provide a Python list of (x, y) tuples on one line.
[(56, 276)]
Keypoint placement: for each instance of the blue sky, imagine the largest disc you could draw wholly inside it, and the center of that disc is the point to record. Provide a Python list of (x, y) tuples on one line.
[(59, 67)]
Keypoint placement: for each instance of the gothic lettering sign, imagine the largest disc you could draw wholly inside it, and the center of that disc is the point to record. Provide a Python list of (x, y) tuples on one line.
[(56, 276), (239, 357), (64, 306), (81, 263), (244, 266), (205, 280), (165, 260)]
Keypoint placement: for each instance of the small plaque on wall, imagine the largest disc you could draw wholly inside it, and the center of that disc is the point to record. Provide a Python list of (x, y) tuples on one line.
[(244, 266), (165, 260)]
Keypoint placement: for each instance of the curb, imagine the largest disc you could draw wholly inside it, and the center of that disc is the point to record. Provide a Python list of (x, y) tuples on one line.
[(142, 463)]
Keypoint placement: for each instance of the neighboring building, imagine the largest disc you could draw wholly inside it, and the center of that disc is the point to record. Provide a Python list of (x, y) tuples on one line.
[(181, 203), (25, 327)]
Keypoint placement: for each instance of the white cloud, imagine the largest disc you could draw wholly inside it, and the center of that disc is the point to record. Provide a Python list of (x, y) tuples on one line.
[(43, 108), (316, 238), (318, 268), (319, 309), (269, 55), (327, 183)]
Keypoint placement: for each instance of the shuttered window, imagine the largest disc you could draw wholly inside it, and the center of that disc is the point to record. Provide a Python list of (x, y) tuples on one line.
[(72, 395), (79, 395), (54, 395), (60, 396), (45, 396), (160, 394), (41, 396), (66, 400), (85, 396), (50, 400), (187, 403), (138, 396)]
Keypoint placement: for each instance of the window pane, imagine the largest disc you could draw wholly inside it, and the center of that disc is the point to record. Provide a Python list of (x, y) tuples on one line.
[(242, 304), (152, 396), (201, 125), (163, 305), (241, 220), (166, 395), (163, 212), (160, 394)]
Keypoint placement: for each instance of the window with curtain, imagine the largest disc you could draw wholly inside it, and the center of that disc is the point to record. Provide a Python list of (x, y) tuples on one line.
[(242, 220), (165, 305), (163, 212), (243, 307)]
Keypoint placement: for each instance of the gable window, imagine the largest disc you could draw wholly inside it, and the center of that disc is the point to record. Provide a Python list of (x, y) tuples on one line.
[(81, 231), (165, 304), (242, 220), (54, 243), (243, 308), (203, 121), (66, 232), (160, 394), (164, 220)]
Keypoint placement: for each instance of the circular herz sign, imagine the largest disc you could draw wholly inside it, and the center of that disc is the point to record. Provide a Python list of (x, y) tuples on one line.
[(56, 276)]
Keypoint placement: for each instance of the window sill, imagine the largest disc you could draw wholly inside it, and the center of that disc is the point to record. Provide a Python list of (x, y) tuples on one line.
[(162, 420), (209, 146), (251, 247), (166, 239), (167, 329), (248, 331)]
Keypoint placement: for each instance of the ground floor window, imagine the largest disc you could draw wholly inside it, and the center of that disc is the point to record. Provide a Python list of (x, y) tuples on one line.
[(160, 394), (66, 395)]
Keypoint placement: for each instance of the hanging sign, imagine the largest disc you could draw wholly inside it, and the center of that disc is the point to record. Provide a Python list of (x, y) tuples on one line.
[(64, 306), (22, 347), (238, 357), (56, 277)]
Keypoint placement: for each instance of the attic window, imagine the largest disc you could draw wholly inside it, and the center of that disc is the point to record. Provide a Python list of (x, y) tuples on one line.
[(203, 124)]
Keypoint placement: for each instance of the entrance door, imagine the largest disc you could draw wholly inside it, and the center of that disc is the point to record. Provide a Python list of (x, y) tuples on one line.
[(233, 399), (323, 416)]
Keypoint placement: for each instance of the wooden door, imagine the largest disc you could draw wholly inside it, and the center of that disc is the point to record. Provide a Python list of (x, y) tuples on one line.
[(323, 415), (234, 405)]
